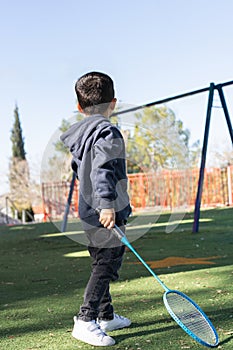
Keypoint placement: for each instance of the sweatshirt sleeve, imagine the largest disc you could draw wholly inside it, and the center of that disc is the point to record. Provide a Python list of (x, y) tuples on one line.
[(107, 150)]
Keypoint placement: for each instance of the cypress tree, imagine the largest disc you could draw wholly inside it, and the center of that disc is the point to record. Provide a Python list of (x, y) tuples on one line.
[(17, 139), (19, 177)]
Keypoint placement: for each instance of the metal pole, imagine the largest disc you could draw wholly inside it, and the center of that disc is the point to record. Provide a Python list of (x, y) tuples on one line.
[(7, 211), (169, 99), (225, 109), (67, 208), (23, 216), (229, 187), (203, 160)]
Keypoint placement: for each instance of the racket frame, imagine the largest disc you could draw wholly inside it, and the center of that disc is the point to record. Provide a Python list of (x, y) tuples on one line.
[(182, 325), (122, 237)]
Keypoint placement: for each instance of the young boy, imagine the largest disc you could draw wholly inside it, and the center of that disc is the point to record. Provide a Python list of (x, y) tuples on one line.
[(98, 160)]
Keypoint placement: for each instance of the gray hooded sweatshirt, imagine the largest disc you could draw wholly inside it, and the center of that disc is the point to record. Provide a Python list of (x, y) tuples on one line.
[(98, 151)]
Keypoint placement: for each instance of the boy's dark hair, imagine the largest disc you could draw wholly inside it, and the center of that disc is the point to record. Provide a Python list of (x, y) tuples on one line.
[(94, 91)]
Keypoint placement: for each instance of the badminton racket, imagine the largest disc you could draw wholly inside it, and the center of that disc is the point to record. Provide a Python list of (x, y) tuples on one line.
[(187, 314)]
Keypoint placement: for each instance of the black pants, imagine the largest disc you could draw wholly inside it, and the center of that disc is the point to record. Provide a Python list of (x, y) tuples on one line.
[(107, 255)]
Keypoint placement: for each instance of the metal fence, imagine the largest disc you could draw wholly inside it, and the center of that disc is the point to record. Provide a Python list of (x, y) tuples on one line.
[(178, 188), (166, 189)]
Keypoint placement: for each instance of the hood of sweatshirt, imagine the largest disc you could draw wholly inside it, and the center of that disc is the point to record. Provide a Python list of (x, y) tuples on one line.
[(75, 137)]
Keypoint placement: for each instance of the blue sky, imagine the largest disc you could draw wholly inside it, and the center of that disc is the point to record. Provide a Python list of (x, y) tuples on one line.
[(152, 49)]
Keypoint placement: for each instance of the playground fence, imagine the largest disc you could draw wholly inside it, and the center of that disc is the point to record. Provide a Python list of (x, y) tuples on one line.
[(163, 190)]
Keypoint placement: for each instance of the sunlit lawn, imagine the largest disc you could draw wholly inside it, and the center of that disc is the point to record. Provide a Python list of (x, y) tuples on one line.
[(43, 276)]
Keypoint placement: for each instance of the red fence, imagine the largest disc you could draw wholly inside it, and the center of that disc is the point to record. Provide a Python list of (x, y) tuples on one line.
[(178, 188), (164, 189)]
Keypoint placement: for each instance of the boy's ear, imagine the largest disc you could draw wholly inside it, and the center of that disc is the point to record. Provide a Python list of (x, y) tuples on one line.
[(113, 103), (80, 108)]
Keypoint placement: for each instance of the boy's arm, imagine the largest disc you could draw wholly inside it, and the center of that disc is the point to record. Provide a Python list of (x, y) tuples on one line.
[(105, 190), (106, 150)]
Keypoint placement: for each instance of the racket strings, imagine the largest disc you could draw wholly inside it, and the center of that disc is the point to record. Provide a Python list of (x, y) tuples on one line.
[(185, 312)]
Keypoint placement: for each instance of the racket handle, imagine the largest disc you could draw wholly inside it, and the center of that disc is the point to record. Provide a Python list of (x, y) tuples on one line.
[(115, 230), (118, 233)]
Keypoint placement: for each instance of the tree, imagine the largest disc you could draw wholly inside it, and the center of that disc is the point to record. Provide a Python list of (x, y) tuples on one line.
[(221, 155), (59, 145), (158, 140), (19, 176), (18, 150), (155, 140)]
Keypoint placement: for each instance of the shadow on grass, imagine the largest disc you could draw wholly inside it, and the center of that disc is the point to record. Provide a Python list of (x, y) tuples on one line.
[(64, 320), (137, 333), (33, 264), (227, 340), (172, 326)]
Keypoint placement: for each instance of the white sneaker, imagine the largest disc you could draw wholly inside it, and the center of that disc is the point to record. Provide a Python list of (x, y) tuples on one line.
[(117, 323), (90, 333)]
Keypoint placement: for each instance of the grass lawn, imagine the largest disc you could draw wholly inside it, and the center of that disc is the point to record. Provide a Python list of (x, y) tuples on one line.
[(43, 276)]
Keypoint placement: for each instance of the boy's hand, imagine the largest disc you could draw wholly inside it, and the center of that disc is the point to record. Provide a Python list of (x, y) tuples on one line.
[(107, 218)]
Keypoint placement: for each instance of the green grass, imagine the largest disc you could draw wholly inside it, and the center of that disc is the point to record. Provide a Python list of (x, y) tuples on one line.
[(43, 276)]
